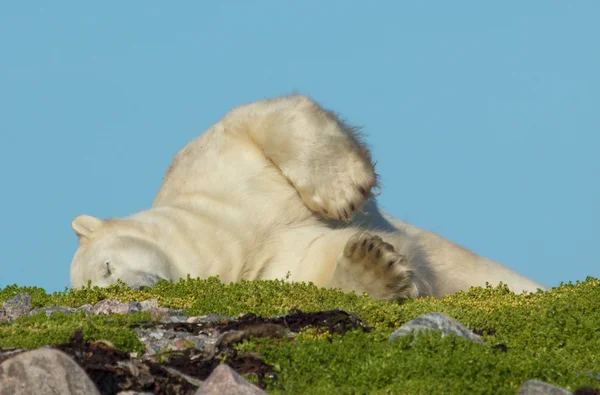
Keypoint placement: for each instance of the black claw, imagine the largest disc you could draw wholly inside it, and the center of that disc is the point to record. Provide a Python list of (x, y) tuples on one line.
[(378, 253), (391, 263), (362, 190), (363, 243), (325, 211), (370, 247), (345, 214), (352, 207)]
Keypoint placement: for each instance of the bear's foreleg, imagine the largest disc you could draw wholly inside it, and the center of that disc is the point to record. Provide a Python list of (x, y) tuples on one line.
[(321, 156)]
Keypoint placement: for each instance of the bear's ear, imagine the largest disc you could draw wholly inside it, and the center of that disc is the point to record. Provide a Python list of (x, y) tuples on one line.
[(85, 225)]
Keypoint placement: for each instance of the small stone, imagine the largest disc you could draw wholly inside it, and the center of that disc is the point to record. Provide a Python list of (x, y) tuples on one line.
[(224, 380), (134, 307), (158, 335), (204, 343), (436, 321), (537, 387), (208, 319), (149, 304), (53, 309), (110, 306), (176, 318), (44, 371), (17, 306)]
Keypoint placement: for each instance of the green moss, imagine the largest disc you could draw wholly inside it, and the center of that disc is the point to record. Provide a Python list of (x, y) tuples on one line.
[(552, 336), (365, 363), (38, 330)]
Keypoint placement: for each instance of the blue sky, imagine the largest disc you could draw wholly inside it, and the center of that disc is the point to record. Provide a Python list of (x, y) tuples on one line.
[(484, 117)]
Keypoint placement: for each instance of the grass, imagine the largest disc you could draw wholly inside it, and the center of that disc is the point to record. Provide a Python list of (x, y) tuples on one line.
[(552, 336)]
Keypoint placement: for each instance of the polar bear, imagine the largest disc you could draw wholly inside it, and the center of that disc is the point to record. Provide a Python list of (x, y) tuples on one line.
[(278, 188)]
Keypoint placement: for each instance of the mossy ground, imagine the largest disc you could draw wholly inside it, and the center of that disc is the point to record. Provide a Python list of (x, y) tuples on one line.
[(552, 336)]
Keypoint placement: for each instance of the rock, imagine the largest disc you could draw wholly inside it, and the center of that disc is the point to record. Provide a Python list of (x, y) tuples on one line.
[(224, 380), (53, 309), (439, 322), (111, 306), (149, 304), (44, 371), (537, 387), (86, 307), (159, 340), (175, 317), (17, 306), (134, 307), (209, 319)]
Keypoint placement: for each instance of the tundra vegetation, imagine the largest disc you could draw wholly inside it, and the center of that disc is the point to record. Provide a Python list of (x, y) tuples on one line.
[(553, 336)]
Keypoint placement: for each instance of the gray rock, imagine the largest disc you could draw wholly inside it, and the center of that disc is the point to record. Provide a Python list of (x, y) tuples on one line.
[(438, 322), (44, 371), (134, 307), (175, 318), (537, 387), (53, 309), (86, 307), (17, 306), (224, 380), (160, 340), (209, 319)]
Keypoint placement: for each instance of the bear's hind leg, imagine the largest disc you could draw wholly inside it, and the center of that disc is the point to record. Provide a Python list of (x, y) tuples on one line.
[(369, 264)]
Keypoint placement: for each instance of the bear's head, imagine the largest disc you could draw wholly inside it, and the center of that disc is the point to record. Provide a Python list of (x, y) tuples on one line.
[(114, 249)]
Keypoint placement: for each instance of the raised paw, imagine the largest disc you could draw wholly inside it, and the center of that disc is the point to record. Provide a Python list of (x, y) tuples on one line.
[(339, 191), (369, 264)]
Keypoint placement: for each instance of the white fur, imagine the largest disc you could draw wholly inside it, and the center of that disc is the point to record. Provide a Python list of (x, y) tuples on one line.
[(275, 187)]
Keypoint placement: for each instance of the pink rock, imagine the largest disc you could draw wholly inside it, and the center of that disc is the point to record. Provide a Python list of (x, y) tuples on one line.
[(110, 306), (224, 380), (44, 371)]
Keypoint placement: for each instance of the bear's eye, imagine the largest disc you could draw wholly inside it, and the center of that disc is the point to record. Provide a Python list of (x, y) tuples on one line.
[(107, 269)]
